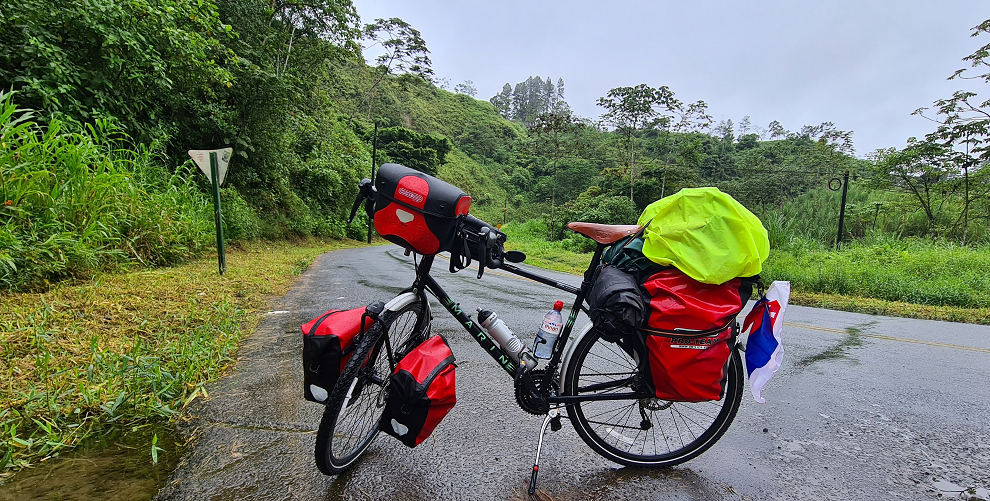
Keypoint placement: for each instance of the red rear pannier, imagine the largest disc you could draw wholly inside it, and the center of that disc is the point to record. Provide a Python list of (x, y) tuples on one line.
[(689, 334), (421, 392), (328, 341), (416, 210)]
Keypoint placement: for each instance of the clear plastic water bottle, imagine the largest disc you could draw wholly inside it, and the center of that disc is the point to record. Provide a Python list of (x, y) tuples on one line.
[(546, 337)]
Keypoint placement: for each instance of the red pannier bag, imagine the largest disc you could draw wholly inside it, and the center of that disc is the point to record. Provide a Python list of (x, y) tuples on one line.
[(421, 392), (689, 333), (328, 341), (416, 210)]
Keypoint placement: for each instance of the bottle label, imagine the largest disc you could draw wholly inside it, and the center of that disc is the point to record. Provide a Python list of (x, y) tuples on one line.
[(551, 327)]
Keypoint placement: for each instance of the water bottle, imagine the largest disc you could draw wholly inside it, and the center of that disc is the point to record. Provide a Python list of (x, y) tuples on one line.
[(497, 329), (546, 337)]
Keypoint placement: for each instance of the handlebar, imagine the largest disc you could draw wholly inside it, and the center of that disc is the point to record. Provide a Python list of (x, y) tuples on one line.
[(481, 242)]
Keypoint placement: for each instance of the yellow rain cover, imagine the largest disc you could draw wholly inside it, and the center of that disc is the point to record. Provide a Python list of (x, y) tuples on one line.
[(706, 234)]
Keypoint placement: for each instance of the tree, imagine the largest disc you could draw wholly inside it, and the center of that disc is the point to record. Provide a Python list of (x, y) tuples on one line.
[(128, 61), (960, 121), (775, 130), (744, 126), (404, 49), (555, 135), (963, 125), (529, 98), (466, 88), (630, 109), (503, 101), (922, 169)]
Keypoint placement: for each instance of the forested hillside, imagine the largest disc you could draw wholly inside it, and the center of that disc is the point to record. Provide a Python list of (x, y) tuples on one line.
[(96, 176)]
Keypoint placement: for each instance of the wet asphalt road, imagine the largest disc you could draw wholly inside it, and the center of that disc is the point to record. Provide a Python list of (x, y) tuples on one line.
[(865, 407)]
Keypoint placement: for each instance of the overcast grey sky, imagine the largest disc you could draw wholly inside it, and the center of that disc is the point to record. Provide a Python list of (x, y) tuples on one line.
[(864, 65)]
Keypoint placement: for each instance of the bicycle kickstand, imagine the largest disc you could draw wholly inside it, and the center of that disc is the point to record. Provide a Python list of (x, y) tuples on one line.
[(553, 416)]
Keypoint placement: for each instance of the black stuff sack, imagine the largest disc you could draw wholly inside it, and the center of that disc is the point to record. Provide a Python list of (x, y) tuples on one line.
[(328, 341), (617, 304), (421, 392)]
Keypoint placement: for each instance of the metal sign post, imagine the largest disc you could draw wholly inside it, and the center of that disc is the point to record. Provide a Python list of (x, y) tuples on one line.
[(374, 161), (213, 163), (842, 209)]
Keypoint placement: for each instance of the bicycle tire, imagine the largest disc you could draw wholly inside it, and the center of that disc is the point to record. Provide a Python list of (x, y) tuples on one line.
[(679, 431), (345, 432)]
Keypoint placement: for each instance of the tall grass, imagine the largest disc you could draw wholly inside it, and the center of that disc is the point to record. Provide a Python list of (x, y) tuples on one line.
[(75, 201), (915, 271), (870, 215)]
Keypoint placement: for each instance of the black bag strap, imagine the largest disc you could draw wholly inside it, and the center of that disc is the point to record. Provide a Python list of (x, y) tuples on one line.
[(320, 320), (447, 362), (460, 253)]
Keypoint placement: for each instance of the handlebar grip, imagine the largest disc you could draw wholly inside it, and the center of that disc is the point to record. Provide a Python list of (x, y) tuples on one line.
[(490, 245)]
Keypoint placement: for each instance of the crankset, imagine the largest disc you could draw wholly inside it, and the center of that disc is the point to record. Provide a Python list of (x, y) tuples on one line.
[(528, 395)]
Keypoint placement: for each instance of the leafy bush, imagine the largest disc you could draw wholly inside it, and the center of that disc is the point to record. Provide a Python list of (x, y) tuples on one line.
[(240, 222), (77, 201)]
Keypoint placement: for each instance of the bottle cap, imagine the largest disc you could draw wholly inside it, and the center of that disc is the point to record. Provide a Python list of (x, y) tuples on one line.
[(484, 315), (559, 305)]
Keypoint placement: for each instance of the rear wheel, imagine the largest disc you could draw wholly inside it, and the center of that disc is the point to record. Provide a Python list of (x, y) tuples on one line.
[(354, 409), (645, 432)]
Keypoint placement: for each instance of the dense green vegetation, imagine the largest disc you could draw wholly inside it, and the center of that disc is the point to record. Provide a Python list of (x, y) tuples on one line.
[(137, 84)]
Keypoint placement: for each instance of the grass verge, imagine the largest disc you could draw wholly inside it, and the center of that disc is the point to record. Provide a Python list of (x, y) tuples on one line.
[(122, 351)]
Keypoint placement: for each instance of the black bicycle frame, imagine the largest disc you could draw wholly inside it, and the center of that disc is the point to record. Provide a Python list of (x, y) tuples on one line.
[(424, 279)]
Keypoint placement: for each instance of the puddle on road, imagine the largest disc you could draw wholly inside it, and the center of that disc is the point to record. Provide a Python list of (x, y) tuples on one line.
[(853, 339), (116, 467), (949, 490)]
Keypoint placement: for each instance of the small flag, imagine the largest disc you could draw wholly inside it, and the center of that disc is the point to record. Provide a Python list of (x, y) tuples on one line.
[(764, 350)]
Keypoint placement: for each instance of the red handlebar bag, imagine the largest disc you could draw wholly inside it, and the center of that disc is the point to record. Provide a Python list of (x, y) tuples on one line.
[(416, 210), (689, 333), (328, 341), (421, 392)]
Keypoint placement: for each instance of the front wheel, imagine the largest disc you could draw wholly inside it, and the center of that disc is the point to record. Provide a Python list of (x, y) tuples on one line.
[(354, 409), (646, 432)]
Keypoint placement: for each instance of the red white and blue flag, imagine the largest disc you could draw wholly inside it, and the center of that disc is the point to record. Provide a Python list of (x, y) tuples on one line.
[(764, 350)]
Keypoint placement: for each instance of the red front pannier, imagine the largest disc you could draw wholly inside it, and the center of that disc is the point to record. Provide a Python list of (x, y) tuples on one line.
[(328, 341), (416, 210), (689, 334), (421, 392)]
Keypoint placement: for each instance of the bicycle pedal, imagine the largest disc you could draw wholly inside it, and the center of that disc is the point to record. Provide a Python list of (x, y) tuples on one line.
[(555, 424)]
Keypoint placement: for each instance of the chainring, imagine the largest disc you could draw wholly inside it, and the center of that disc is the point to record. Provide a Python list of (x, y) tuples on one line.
[(654, 404), (526, 401)]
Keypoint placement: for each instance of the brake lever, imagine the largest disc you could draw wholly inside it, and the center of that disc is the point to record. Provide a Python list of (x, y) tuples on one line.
[(363, 194), (483, 250)]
